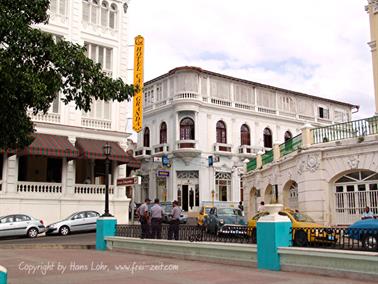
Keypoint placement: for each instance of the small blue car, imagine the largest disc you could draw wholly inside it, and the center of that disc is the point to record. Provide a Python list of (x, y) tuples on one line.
[(365, 231)]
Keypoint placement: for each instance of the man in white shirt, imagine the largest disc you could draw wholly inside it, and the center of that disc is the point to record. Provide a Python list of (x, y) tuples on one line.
[(143, 218), (157, 214), (367, 213), (174, 229)]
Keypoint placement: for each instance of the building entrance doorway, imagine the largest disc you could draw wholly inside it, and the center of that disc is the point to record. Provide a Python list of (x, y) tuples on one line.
[(188, 190)]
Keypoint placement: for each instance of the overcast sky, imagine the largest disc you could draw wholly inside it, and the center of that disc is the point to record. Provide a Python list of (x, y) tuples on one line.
[(318, 47)]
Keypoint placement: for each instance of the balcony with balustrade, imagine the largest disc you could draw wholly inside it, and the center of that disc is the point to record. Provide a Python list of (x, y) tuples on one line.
[(160, 149), (223, 149), (143, 152), (187, 148), (250, 151)]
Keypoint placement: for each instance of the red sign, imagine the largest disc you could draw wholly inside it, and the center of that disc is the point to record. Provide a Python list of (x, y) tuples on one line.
[(128, 181)]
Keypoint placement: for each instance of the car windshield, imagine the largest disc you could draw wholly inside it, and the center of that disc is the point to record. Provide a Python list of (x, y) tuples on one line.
[(300, 217), (207, 210), (229, 211), (167, 208)]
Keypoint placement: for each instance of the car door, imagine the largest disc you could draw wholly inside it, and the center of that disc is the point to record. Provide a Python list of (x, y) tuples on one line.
[(77, 222), (91, 219), (21, 223), (6, 226)]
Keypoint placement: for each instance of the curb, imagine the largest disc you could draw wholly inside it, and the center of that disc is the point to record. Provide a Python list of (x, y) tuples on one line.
[(43, 246)]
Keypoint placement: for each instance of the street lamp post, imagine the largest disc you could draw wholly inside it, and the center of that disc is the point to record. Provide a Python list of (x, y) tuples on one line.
[(107, 149)]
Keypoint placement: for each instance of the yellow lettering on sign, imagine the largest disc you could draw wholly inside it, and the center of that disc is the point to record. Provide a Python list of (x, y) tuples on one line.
[(138, 84)]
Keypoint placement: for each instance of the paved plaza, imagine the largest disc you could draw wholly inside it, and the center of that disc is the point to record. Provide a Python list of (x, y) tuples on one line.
[(80, 266)]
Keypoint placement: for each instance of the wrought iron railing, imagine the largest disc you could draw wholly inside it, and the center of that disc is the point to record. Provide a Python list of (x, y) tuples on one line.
[(251, 166), (267, 157), (228, 234), (346, 130), (291, 145), (336, 238)]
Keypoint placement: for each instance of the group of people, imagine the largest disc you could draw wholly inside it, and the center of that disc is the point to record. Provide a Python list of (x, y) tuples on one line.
[(151, 220)]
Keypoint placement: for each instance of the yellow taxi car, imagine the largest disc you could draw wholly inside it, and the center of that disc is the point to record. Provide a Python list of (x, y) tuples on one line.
[(305, 230), (202, 215)]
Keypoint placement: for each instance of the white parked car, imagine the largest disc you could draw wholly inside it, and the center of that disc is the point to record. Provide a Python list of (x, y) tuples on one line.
[(20, 225), (79, 221)]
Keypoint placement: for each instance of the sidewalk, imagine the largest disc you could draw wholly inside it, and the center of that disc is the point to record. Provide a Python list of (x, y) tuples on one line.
[(68, 266)]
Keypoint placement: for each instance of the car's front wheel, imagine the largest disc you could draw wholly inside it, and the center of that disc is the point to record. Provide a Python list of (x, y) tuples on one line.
[(32, 233), (64, 230), (370, 242)]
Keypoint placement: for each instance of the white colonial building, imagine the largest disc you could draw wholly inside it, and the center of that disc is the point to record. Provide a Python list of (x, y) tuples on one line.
[(63, 170), (190, 114)]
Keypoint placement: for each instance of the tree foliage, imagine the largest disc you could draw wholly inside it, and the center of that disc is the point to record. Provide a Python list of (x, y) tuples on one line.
[(34, 68)]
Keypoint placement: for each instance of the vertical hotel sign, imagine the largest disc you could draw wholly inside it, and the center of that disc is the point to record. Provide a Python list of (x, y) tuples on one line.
[(138, 83)]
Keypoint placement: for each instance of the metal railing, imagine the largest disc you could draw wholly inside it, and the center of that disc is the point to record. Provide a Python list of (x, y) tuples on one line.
[(251, 166), (291, 145), (346, 130), (229, 234), (267, 157), (336, 238)]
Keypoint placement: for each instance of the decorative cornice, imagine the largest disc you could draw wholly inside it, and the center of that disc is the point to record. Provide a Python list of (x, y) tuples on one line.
[(373, 4)]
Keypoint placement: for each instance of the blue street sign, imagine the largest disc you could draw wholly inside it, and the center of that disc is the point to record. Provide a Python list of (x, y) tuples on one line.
[(165, 160), (210, 160)]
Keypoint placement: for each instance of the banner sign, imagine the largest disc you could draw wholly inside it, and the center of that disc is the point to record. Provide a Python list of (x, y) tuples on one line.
[(129, 181), (138, 84)]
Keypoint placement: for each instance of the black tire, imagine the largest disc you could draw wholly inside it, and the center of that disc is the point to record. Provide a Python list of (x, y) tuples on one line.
[(300, 239), (370, 242), (254, 236), (32, 233), (64, 230)]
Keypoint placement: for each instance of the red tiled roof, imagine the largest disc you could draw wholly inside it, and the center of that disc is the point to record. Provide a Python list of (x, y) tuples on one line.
[(51, 146), (93, 149)]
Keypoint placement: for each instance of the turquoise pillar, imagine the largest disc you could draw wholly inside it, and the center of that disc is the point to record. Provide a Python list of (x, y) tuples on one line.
[(273, 231), (105, 227), (3, 275)]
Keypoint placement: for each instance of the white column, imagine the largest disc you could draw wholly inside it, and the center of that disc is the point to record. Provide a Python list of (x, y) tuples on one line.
[(70, 178), (4, 174), (12, 174), (64, 175)]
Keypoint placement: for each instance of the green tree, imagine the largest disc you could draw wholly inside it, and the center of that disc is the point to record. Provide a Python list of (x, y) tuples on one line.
[(34, 68)]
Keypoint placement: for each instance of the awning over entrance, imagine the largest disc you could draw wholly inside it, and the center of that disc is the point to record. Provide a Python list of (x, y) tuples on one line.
[(50, 146), (93, 149)]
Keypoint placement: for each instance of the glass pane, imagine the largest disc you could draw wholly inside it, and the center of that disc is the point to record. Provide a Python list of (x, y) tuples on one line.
[(355, 175), (374, 177), (112, 20), (339, 189), (108, 59), (99, 105), (365, 174), (86, 8), (93, 51), (101, 55), (53, 6), (104, 17), (350, 188), (361, 187), (94, 14), (373, 186), (106, 110), (62, 7)]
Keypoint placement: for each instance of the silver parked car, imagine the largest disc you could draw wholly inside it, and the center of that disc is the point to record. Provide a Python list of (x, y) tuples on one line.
[(79, 221), (20, 225)]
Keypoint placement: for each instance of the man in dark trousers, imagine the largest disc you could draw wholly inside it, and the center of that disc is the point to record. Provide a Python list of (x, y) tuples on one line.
[(156, 218), (174, 224), (143, 218)]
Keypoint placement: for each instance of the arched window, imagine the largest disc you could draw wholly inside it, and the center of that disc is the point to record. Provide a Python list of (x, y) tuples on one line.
[(288, 135), (187, 129), (146, 137), (163, 133), (245, 136), (94, 11), (221, 132), (104, 13), (113, 16), (268, 139)]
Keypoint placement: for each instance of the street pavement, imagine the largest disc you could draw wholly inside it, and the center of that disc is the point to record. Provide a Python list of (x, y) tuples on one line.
[(68, 266), (86, 239)]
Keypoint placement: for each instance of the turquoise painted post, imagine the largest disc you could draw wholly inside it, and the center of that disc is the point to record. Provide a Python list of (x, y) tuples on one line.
[(105, 227), (3, 275), (273, 231)]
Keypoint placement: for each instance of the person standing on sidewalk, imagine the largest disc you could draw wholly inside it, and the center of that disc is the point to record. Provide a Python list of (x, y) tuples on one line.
[(174, 224), (157, 214), (143, 218)]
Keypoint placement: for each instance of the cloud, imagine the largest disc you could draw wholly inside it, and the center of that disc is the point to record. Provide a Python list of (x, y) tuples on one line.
[(313, 46)]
